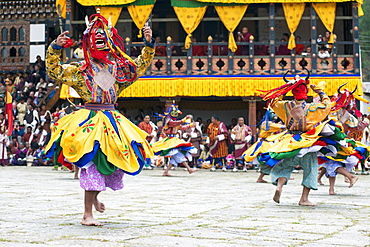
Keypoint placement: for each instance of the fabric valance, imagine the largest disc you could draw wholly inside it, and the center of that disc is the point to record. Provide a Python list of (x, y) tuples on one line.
[(276, 1)]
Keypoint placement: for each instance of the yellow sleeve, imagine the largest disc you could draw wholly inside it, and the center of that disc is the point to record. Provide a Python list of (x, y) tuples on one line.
[(67, 74), (317, 112), (144, 60), (279, 109)]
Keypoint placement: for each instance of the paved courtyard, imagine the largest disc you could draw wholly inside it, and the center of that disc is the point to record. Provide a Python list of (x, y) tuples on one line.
[(42, 207)]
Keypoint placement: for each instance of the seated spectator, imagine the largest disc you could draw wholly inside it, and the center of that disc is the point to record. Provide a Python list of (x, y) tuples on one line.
[(283, 49), (160, 50), (197, 50), (299, 48), (261, 50), (307, 51), (20, 156), (220, 50), (39, 62), (176, 51), (37, 74), (323, 53), (26, 136), (79, 52), (41, 84), (52, 93)]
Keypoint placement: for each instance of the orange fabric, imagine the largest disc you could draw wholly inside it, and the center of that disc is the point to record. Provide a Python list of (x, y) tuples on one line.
[(212, 132), (147, 128)]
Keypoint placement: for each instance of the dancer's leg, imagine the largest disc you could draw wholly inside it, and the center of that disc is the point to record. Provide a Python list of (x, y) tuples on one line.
[(88, 218)]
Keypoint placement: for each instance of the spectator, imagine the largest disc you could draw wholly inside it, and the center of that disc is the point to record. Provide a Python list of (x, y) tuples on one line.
[(31, 118), (4, 143), (323, 53), (197, 50), (218, 135), (243, 36), (41, 84), (79, 52), (193, 134), (307, 51), (299, 48), (37, 74), (22, 109), (26, 136), (52, 92), (283, 49), (160, 50), (39, 62)]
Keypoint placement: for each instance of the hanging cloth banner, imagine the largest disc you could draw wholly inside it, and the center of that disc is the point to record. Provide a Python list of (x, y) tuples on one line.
[(140, 14), (114, 12), (231, 17), (360, 10), (189, 19), (293, 13), (63, 7), (326, 12)]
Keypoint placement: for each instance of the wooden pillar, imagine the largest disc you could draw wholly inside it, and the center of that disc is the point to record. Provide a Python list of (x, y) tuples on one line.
[(68, 26), (272, 37), (253, 116), (356, 38), (313, 41)]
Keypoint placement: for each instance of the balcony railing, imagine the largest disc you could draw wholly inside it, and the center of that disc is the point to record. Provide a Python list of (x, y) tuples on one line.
[(256, 59)]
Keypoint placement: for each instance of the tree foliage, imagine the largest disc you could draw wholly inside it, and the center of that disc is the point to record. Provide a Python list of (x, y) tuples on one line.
[(365, 41)]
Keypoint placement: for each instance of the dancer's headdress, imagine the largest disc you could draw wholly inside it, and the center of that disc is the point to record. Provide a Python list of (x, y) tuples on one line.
[(114, 43), (298, 86), (345, 98)]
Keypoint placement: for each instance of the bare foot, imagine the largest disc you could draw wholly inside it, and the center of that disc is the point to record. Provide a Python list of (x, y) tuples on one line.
[(307, 203), (346, 180), (320, 183), (192, 170), (76, 177), (99, 206), (291, 178), (277, 195), (166, 174), (353, 180), (331, 192), (90, 221), (261, 181)]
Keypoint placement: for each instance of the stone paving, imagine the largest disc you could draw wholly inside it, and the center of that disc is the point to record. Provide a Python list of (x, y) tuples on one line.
[(42, 207)]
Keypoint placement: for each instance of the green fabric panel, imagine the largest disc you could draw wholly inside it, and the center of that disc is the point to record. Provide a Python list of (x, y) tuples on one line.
[(338, 135), (187, 4), (102, 163), (285, 155), (57, 151)]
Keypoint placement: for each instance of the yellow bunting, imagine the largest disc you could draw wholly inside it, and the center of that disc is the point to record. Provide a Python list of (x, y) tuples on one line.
[(326, 12), (189, 19), (360, 10), (111, 11), (140, 14), (231, 17), (216, 86), (63, 7), (293, 13)]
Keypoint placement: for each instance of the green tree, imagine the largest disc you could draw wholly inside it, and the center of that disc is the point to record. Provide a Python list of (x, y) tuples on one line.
[(365, 41)]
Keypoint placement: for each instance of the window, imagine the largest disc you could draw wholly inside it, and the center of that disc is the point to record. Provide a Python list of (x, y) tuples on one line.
[(4, 34), (21, 33), (13, 34), (21, 52), (4, 53), (13, 52)]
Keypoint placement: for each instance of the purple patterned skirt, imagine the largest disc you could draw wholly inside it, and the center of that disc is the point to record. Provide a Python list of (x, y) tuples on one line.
[(92, 180)]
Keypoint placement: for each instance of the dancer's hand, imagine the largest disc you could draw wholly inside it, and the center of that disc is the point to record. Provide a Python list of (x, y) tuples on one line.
[(62, 39), (316, 90), (147, 32)]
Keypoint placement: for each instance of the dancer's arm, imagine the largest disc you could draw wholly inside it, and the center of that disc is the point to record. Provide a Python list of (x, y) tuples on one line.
[(147, 54), (64, 73)]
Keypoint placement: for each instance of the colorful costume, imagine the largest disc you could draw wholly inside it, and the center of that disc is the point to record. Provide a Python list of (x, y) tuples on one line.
[(352, 127), (98, 138), (311, 134), (268, 134), (171, 145)]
